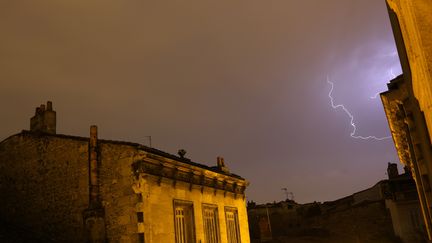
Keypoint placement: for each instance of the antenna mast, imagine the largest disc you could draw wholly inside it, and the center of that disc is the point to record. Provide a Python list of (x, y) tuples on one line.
[(288, 195)]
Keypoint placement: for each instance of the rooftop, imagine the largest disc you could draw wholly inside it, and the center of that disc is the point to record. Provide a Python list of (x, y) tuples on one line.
[(136, 145)]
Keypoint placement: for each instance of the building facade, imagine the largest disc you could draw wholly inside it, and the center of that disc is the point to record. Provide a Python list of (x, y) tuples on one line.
[(408, 102), (402, 201), (62, 188)]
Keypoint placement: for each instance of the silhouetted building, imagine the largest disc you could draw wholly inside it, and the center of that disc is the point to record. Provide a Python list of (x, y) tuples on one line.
[(61, 188), (389, 211), (408, 102)]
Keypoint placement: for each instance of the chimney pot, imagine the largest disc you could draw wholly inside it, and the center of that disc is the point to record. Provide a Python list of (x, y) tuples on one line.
[(49, 106), (93, 135), (392, 170), (44, 119), (93, 129), (221, 164)]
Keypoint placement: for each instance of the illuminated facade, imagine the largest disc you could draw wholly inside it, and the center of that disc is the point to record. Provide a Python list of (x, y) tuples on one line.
[(408, 102), (64, 188)]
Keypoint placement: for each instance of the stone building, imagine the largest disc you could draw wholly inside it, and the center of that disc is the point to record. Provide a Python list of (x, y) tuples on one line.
[(402, 201), (61, 188), (335, 221), (389, 211), (408, 102)]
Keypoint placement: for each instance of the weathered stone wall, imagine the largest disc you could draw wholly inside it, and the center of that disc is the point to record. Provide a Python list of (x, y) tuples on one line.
[(367, 222), (44, 183), (407, 221), (118, 197), (371, 194), (44, 186)]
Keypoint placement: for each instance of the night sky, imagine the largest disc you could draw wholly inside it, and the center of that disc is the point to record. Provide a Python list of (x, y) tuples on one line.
[(246, 80)]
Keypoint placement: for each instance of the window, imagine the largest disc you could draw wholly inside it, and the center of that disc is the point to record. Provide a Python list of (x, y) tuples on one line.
[(211, 223), (140, 217), (184, 222), (141, 238), (232, 223)]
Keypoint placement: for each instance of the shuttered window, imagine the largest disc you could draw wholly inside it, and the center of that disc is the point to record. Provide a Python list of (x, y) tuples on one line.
[(211, 223), (184, 222), (232, 223)]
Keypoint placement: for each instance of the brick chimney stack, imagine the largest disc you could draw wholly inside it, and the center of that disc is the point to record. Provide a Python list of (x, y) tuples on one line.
[(392, 170), (44, 119)]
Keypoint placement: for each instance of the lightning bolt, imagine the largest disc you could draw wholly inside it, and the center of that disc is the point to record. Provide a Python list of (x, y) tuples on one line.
[(353, 125)]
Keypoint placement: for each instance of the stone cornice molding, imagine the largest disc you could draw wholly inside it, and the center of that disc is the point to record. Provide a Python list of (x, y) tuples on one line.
[(164, 168)]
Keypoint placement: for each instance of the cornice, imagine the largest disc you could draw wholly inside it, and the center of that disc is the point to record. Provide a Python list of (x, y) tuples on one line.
[(163, 168)]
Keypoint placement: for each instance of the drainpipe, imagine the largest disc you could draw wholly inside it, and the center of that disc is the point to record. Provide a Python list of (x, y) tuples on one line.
[(94, 200), (94, 215)]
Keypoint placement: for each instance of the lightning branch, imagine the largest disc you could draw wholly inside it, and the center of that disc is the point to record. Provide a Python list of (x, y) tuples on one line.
[(353, 125)]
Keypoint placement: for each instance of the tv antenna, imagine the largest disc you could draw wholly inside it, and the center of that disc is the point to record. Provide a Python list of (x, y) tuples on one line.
[(288, 195), (149, 140)]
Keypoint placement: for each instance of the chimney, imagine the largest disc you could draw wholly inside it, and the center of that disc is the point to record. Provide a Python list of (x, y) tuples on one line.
[(49, 106), (44, 119), (221, 165), (392, 170)]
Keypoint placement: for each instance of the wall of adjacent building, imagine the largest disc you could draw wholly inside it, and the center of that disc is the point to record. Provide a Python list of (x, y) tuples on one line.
[(415, 21), (407, 220), (43, 186), (323, 223), (118, 198), (412, 27), (371, 194)]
